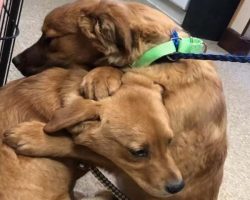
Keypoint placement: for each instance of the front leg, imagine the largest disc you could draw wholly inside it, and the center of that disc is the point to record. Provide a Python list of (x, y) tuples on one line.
[(28, 138)]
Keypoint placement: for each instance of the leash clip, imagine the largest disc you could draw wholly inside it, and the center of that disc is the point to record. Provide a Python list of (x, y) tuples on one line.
[(192, 45), (188, 45)]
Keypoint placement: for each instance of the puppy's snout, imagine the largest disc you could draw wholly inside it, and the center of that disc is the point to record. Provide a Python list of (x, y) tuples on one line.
[(175, 187), (17, 61)]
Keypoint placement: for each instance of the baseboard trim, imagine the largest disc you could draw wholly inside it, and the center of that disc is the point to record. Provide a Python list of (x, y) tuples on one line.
[(170, 9), (234, 43)]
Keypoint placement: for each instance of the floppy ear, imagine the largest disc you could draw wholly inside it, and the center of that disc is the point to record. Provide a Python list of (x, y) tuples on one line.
[(109, 34), (80, 110)]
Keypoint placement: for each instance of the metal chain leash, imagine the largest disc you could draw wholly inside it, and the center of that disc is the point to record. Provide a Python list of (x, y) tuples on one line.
[(107, 184)]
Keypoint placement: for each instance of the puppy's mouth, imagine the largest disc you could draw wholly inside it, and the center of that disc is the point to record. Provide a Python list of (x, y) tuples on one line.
[(150, 190), (153, 192), (28, 70), (31, 71)]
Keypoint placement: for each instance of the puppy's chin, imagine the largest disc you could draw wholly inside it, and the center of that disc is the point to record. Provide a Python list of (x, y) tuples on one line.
[(157, 194), (29, 71), (152, 192)]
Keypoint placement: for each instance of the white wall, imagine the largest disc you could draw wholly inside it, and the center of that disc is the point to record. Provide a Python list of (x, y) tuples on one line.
[(169, 8), (241, 17)]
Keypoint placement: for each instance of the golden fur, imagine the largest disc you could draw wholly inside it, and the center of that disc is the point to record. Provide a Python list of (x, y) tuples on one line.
[(192, 147), (194, 128), (36, 178), (93, 33)]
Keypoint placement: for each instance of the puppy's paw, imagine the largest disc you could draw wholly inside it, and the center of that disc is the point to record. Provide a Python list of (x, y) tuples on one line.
[(26, 138), (101, 82)]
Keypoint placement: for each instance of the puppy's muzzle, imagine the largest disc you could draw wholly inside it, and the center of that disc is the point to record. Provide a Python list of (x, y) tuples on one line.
[(175, 187)]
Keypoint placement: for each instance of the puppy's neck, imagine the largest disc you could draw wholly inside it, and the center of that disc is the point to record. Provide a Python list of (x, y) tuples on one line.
[(140, 45)]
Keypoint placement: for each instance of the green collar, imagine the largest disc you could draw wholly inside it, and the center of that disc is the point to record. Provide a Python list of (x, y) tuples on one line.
[(186, 45)]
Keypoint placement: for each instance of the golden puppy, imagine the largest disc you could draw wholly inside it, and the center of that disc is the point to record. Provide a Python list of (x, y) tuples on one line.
[(95, 32), (158, 138), (131, 129)]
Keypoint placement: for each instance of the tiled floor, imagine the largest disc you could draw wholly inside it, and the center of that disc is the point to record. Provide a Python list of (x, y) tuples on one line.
[(236, 80)]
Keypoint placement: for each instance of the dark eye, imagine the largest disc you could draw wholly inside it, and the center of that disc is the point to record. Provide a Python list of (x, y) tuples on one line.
[(169, 141), (48, 40), (141, 153)]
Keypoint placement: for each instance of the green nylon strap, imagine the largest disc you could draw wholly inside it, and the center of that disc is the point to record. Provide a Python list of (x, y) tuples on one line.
[(155, 53), (186, 45)]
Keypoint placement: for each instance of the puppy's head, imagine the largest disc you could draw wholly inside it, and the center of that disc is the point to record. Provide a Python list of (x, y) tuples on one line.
[(95, 32), (132, 130)]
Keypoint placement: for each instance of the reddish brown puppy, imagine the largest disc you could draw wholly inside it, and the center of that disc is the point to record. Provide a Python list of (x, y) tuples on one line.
[(159, 139)]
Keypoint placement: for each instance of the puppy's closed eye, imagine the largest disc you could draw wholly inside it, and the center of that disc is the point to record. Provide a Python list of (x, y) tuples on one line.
[(168, 142), (139, 153), (48, 40)]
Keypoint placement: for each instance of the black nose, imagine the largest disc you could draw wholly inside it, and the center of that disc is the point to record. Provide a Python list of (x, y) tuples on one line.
[(175, 187), (17, 61)]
